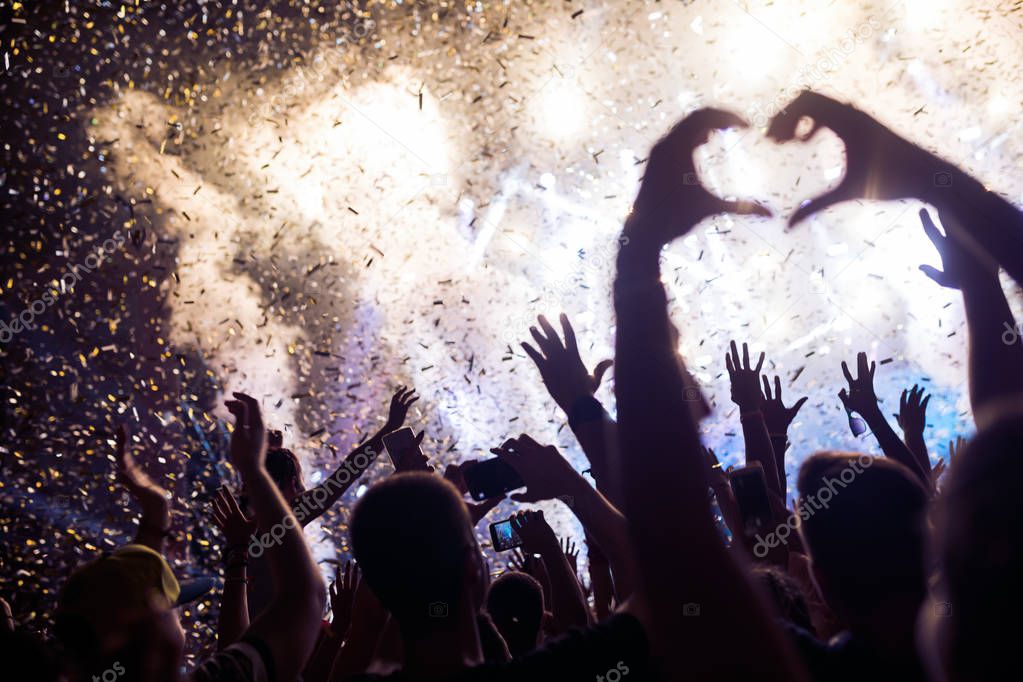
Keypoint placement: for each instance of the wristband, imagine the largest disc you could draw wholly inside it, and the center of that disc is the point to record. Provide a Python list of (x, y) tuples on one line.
[(585, 410)]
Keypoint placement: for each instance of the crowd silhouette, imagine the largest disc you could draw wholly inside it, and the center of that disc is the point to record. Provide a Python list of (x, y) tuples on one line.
[(887, 567)]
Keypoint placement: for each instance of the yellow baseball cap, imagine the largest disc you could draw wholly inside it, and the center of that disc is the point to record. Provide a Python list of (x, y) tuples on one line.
[(131, 579)]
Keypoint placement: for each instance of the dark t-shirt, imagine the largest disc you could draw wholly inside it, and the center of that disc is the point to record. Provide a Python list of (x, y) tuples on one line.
[(846, 659), (611, 651), (249, 660)]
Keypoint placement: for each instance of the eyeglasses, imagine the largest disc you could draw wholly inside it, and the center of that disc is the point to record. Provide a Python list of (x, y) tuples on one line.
[(856, 425)]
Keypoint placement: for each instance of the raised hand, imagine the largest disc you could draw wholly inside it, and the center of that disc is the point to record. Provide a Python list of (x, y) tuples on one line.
[(671, 201), (401, 401), (568, 546), (912, 416), (455, 475), (542, 468), (960, 264), (248, 439), (154, 526), (745, 379), (412, 458), (860, 396), (517, 561), (955, 449), (879, 163), (342, 597), (777, 416), (537, 535), (130, 474), (231, 519), (560, 365)]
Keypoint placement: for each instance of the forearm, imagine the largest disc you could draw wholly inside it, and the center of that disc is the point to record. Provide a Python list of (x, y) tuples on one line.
[(995, 367), (995, 224), (356, 653), (890, 443), (313, 503), (918, 447), (759, 449), (567, 601), (320, 664), (155, 523), (290, 624), (655, 429), (600, 582), (607, 527), (597, 436), (779, 446), (667, 505), (233, 620)]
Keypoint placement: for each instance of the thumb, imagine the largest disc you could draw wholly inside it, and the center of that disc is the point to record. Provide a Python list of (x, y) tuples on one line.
[(599, 370), (938, 276), (799, 404), (745, 207)]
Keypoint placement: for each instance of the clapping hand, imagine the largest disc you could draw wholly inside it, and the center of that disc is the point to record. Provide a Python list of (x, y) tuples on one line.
[(231, 520), (560, 365), (149, 494), (248, 439)]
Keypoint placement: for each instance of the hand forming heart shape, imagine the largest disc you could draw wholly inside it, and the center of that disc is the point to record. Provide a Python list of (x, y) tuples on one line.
[(879, 165)]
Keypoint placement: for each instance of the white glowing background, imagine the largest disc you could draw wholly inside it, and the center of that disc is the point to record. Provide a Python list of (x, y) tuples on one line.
[(480, 214)]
